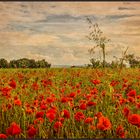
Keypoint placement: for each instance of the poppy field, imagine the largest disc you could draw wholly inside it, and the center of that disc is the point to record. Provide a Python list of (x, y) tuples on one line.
[(69, 103)]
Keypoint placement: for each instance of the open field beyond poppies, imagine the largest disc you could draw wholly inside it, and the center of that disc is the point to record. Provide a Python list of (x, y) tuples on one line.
[(69, 103)]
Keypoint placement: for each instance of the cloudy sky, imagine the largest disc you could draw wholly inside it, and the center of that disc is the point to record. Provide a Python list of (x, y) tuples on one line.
[(56, 31)]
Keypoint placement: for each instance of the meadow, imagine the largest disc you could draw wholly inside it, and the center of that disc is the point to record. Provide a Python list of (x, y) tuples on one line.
[(70, 103)]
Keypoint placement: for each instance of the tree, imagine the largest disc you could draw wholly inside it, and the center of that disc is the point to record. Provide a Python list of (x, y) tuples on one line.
[(29, 63), (32, 63), (97, 36), (95, 63), (133, 61), (23, 63), (4, 63), (13, 64), (42, 64)]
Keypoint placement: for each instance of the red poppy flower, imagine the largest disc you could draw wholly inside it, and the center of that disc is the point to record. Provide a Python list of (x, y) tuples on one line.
[(98, 115), (79, 116), (88, 96), (103, 93), (70, 99), (122, 101), (120, 131), (131, 99), (38, 121), (46, 82), (29, 111), (83, 106), (124, 86), (125, 80), (39, 114), (51, 114), (31, 131), (88, 120), (35, 103), (17, 102), (41, 97), (50, 99), (114, 83), (72, 95), (138, 105), (94, 91), (9, 106), (14, 129), (27, 105), (79, 91), (43, 107), (66, 113), (134, 119), (57, 125), (3, 136), (104, 123), (6, 91), (35, 86), (82, 101), (64, 99), (24, 86), (138, 96), (90, 103), (15, 97), (12, 84), (77, 86), (96, 82), (132, 93), (62, 90)]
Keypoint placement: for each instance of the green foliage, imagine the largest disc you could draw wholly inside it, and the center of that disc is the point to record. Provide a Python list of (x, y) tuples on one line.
[(24, 63), (42, 64), (95, 63), (133, 61), (3, 63), (98, 64)]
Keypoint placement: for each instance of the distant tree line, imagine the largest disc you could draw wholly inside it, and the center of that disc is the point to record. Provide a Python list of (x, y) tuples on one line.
[(130, 59), (24, 63)]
